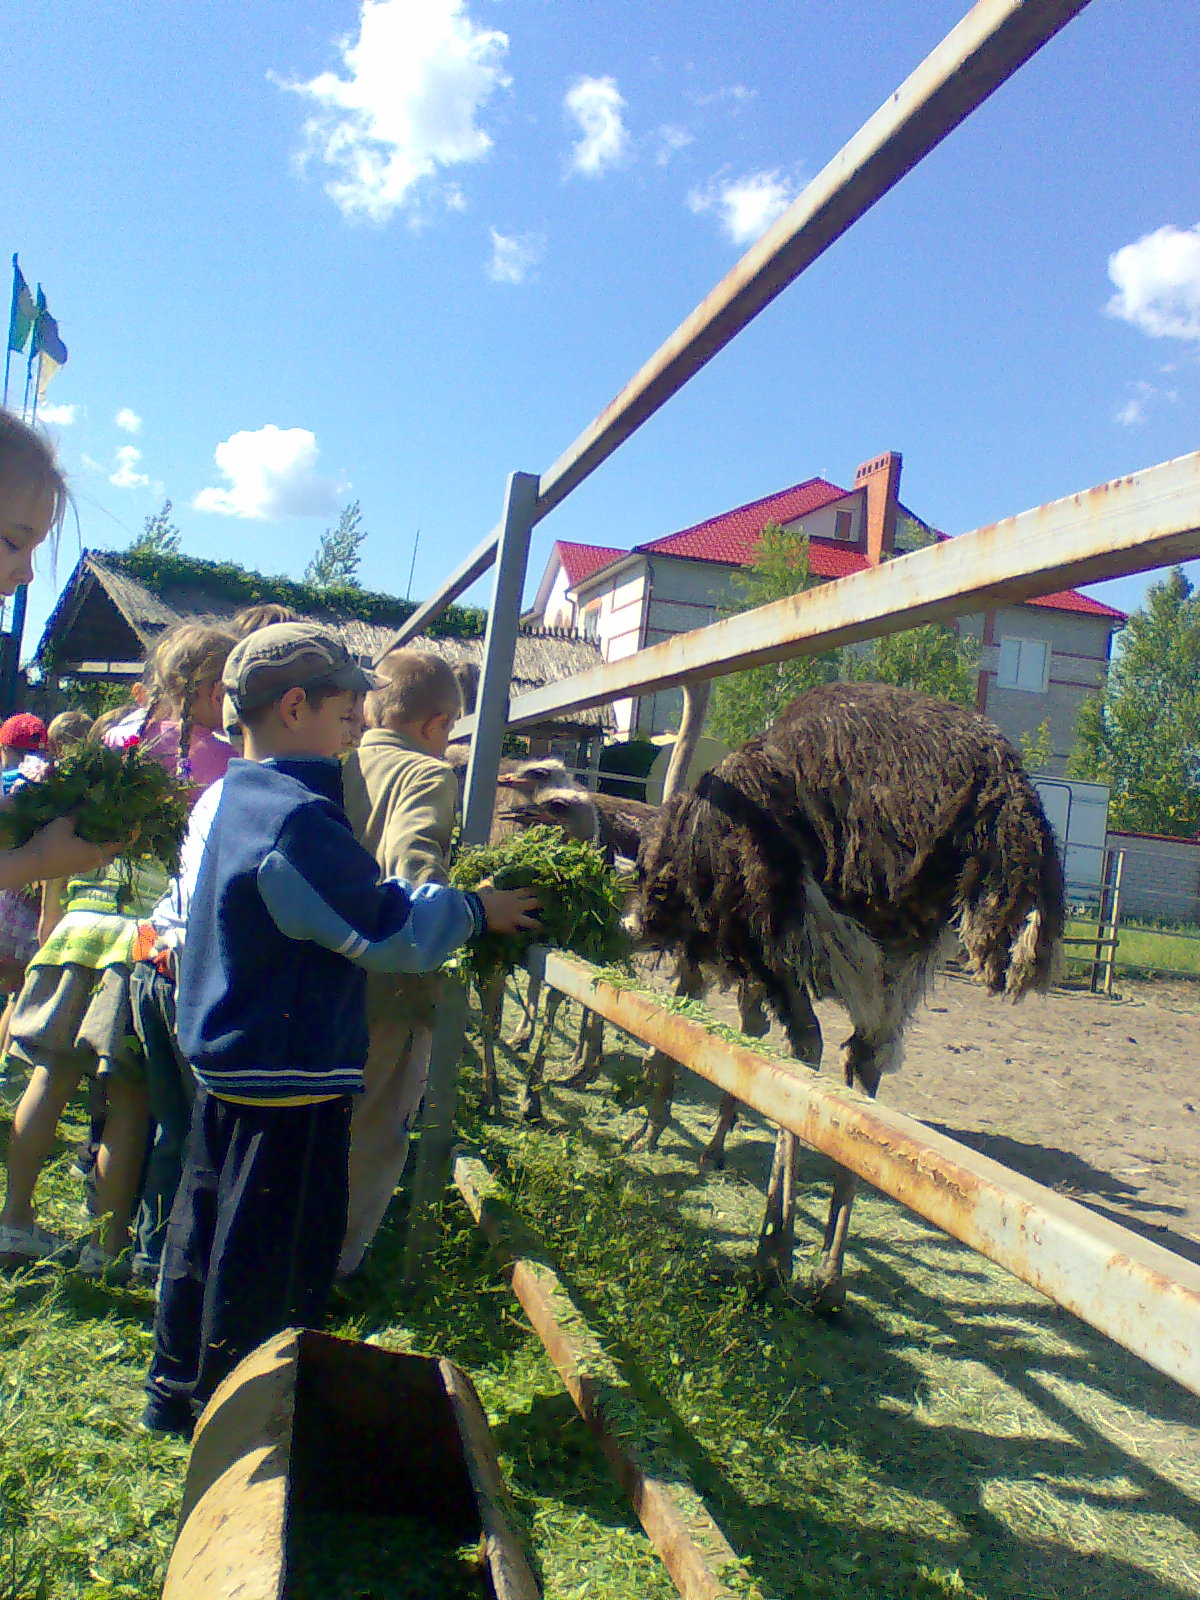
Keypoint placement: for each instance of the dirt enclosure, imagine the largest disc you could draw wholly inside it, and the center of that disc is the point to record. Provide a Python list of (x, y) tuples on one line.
[(1098, 1099)]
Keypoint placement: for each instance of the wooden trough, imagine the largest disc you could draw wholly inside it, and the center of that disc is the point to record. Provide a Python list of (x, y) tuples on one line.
[(316, 1450)]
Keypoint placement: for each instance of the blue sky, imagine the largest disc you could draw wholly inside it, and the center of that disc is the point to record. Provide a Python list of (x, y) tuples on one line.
[(303, 252)]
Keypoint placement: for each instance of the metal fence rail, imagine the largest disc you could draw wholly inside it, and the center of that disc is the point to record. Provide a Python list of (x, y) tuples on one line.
[(992, 41), (1144, 1297)]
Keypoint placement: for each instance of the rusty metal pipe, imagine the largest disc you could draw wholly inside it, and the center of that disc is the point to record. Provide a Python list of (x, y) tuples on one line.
[(1149, 519), (1138, 1294), (992, 41)]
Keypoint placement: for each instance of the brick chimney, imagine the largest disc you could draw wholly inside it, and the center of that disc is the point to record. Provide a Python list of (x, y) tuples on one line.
[(881, 479)]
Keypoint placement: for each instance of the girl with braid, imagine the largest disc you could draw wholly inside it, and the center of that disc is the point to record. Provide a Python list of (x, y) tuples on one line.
[(73, 1017)]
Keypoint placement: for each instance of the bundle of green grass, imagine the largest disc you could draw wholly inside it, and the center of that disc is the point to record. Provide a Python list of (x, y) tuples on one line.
[(580, 899), (114, 796)]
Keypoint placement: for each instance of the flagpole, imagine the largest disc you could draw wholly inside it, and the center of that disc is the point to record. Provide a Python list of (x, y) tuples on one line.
[(36, 390), (12, 319)]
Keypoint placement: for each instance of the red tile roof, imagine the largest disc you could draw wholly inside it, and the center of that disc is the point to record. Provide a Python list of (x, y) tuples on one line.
[(579, 561), (731, 537), (1072, 600)]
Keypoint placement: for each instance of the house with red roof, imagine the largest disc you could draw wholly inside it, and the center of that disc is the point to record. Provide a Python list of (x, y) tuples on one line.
[(1039, 661)]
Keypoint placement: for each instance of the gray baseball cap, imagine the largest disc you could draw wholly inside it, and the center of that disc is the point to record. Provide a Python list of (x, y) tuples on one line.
[(288, 655)]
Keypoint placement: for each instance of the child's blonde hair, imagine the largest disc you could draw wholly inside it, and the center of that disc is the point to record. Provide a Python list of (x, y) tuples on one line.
[(68, 728), (27, 459), (251, 618), (185, 661), (109, 719), (419, 685)]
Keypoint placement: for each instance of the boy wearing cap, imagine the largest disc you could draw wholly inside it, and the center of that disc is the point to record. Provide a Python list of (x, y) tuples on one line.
[(287, 918)]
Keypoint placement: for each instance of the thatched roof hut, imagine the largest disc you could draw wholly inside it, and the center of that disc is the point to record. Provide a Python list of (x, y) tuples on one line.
[(116, 605)]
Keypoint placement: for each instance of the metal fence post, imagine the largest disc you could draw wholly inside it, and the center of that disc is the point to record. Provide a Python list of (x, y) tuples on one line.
[(491, 714)]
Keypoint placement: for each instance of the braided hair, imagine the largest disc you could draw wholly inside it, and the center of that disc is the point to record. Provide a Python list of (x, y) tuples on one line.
[(184, 662)]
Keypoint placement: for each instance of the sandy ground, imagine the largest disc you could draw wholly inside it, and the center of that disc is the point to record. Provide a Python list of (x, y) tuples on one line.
[(1097, 1098)]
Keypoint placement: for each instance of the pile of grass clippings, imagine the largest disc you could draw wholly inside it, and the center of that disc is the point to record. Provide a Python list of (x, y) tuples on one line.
[(580, 899), (115, 797)]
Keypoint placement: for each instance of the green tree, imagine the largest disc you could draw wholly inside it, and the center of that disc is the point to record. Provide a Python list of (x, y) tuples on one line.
[(1142, 734), (335, 565), (744, 703), (159, 534), (1036, 748), (932, 659)]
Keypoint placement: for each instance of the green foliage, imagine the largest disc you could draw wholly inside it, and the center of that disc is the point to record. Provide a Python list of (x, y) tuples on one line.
[(580, 907), (744, 703), (1142, 734), (161, 571), (1036, 748), (159, 533), (94, 695), (335, 565), (114, 796), (932, 660)]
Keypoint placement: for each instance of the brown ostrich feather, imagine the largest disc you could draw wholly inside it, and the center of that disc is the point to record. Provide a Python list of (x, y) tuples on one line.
[(910, 814)]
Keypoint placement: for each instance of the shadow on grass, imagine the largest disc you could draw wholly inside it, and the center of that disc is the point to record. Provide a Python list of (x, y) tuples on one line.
[(828, 1451)]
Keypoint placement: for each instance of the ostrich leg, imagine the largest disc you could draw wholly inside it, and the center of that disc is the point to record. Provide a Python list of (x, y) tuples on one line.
[(535, 1075), (590, 1054), (826, 1291), (659, 1069), (777, 1241), (523, 1037), (491, 1007), (755, 1024)]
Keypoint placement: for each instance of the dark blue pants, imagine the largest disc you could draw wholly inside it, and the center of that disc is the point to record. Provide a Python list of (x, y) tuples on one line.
[(253, 1241), (172, 1090)]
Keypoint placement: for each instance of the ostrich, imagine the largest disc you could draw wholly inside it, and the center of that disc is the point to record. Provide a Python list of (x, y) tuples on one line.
[(834, 856)]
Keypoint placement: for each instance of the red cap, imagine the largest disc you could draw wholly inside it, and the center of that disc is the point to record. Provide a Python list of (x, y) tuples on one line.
[(23, 732)]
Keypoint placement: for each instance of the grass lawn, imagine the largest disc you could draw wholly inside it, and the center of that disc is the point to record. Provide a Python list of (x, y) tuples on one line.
[(951, 1434), (1143, 950)]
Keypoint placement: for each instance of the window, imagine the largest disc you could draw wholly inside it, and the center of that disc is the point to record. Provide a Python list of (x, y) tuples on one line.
[(1024, 664), (843, 522), (591, 621)]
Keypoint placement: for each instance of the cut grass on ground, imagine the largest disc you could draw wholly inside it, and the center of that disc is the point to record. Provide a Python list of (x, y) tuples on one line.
[(950, 1434)]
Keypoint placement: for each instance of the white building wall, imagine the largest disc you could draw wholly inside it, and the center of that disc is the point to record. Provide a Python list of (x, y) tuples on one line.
[(1078, 651)]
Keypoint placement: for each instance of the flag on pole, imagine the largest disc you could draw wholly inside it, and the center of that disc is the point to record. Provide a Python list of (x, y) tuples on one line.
[(23, 316), (47, 346)]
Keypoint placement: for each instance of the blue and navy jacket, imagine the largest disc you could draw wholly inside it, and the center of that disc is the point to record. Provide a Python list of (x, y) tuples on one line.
[(287, 918)]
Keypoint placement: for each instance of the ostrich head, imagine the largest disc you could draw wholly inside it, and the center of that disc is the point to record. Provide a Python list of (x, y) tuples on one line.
[(530, 778), (570, 810)]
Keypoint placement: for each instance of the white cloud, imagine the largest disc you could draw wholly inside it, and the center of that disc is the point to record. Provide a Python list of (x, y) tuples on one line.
[(596, 105), (418, 75), (736, 94), (671, 140), (746, 206), (1158, 282), (514, 256), (56, 416), (128, 421), (272, 473), (126, 475), (1141, 397)]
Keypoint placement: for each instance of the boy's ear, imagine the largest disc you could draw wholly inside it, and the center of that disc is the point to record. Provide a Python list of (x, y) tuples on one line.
[(289, 705)]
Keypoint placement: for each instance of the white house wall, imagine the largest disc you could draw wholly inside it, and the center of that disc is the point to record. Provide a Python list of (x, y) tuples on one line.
[(1079, 651)]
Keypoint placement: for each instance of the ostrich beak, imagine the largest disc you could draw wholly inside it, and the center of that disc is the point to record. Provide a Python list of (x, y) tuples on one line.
[(508, 780)]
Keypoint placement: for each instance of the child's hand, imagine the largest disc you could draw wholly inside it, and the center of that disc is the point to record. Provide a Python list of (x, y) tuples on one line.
[(509, 910), (57, 851)]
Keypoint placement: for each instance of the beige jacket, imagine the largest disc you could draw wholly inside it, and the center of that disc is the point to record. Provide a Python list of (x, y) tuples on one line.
[(401, 802)]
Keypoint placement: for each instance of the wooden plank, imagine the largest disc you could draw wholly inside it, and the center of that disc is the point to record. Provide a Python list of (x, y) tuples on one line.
[(692, 1546)]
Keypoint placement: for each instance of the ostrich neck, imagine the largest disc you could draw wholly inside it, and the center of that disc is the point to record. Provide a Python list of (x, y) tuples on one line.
[(695, 709)]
